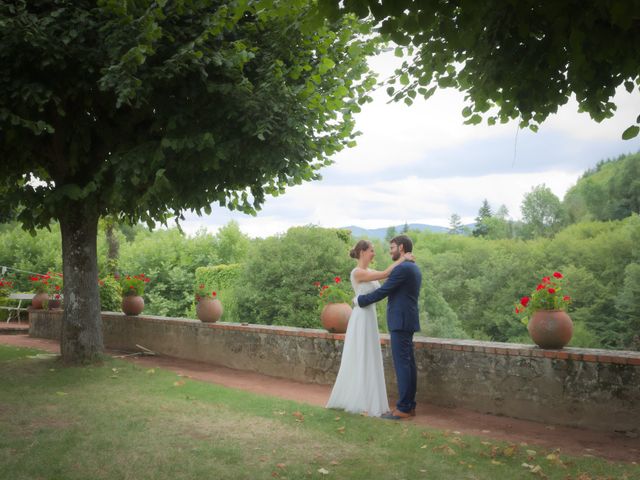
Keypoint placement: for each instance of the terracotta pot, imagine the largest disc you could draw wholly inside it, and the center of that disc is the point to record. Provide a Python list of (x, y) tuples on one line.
[(38, 300), (335, 317), (550, 329), (132, 305), (209, 310)]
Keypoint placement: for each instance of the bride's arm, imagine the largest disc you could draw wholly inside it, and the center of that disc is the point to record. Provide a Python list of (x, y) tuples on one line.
[(370, 275)]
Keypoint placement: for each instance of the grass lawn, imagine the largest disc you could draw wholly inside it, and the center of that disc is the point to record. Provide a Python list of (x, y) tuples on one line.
[(119, 421)]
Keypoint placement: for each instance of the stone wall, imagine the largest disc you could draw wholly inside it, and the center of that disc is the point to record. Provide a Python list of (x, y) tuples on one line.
[(596, 389)]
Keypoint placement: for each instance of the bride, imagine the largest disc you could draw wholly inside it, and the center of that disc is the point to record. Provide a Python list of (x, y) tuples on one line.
[(360, 386)]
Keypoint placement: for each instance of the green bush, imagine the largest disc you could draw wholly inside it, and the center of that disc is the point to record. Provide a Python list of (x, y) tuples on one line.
[(110, 295), (276, 283)]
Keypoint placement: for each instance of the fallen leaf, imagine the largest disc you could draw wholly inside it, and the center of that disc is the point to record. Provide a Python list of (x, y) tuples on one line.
[(299, 416), (151, 370), (178, 383), (341, 429), (114, 370), (281, 465), (334, 462), (337, 418), (279, 412), (446, 449), (496, 462), (510, 450), (323, 471), (424, 446), (62, 393), (531, 453)]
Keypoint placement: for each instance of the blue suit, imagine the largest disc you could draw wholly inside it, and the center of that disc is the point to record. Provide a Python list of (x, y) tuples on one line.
[(403, 288)]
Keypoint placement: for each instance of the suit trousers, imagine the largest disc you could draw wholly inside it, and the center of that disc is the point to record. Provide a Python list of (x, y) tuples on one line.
[(404, 362)]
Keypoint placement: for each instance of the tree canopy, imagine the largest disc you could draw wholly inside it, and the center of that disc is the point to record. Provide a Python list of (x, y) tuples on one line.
[(143, 110), (152, 108), (514, 59)]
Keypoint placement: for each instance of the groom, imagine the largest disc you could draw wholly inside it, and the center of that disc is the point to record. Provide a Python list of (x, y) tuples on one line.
[(403, 288)]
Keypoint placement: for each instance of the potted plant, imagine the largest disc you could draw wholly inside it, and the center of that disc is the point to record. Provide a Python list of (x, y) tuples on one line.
[(334, 300), (208, 306), (5, 287), (48, 289), (132, 290), (545, 313)]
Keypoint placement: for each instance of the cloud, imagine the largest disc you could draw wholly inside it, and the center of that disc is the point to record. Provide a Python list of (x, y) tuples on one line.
[(420, 164)]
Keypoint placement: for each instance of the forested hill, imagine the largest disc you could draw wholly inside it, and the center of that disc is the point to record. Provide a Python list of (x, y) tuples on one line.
[(611, 191)]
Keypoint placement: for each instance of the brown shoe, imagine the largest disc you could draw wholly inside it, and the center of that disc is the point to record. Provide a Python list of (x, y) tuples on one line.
[(401, 414)]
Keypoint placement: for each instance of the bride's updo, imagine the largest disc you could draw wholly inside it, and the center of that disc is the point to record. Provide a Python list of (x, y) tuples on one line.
[(360, 246)]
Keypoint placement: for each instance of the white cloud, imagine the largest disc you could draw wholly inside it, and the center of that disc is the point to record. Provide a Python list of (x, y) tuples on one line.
[(420, 164)]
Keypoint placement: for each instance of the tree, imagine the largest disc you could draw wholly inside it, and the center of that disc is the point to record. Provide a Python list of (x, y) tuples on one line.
[(455, 225), (512, 59), (276, 284), (481, 229), (144, 110), (405, 228), (542, 212), (231, 243), (391, 233)]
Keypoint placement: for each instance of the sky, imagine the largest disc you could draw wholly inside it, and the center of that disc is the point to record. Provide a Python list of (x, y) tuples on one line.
[(421, 164)]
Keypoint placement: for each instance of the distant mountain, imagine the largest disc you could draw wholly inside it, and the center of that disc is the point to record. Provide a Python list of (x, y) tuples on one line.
[(380, 233)]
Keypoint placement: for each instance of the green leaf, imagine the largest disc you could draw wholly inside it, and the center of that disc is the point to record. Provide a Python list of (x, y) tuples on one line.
[(631, 132)]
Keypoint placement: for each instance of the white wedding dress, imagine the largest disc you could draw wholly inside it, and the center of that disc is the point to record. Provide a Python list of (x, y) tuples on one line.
[(360, 386)]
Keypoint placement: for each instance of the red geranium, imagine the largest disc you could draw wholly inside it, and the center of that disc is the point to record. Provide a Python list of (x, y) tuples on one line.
[(548, 295)]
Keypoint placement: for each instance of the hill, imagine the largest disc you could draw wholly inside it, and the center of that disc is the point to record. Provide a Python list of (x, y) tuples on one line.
[(380, 233)]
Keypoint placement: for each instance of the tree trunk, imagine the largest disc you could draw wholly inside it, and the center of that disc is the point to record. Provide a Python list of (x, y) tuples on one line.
[(81, 340)]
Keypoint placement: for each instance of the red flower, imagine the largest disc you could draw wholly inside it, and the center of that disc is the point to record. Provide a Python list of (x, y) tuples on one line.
[(540, 287), (197, 298), (546, 279), (316, 284), (130, 287), (337, 279), (557, 274), (201, 285), (524, 301), (566, 298), (57, 287), (325, 287), (57, 296), (551, 290), (213, 294), (517, 310)]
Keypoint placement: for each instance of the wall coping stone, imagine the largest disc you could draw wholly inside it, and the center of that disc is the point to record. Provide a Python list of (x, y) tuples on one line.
[(598, 355)]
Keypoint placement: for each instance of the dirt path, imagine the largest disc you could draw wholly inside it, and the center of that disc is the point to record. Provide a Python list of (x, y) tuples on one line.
[(574, 441)]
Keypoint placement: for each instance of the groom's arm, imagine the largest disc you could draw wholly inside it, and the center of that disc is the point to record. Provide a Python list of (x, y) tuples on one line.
[(396, 279)]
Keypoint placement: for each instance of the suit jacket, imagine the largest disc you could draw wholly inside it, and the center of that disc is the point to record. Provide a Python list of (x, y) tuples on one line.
[(403, 288)]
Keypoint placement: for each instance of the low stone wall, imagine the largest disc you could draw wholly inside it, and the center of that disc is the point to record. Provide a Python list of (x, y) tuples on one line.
[(596, 389)]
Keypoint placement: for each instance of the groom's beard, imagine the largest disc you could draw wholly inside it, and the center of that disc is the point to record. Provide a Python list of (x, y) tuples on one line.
[(395, 256)]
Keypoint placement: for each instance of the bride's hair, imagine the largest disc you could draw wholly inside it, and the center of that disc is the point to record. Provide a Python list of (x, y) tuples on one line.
[(360, 246)]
